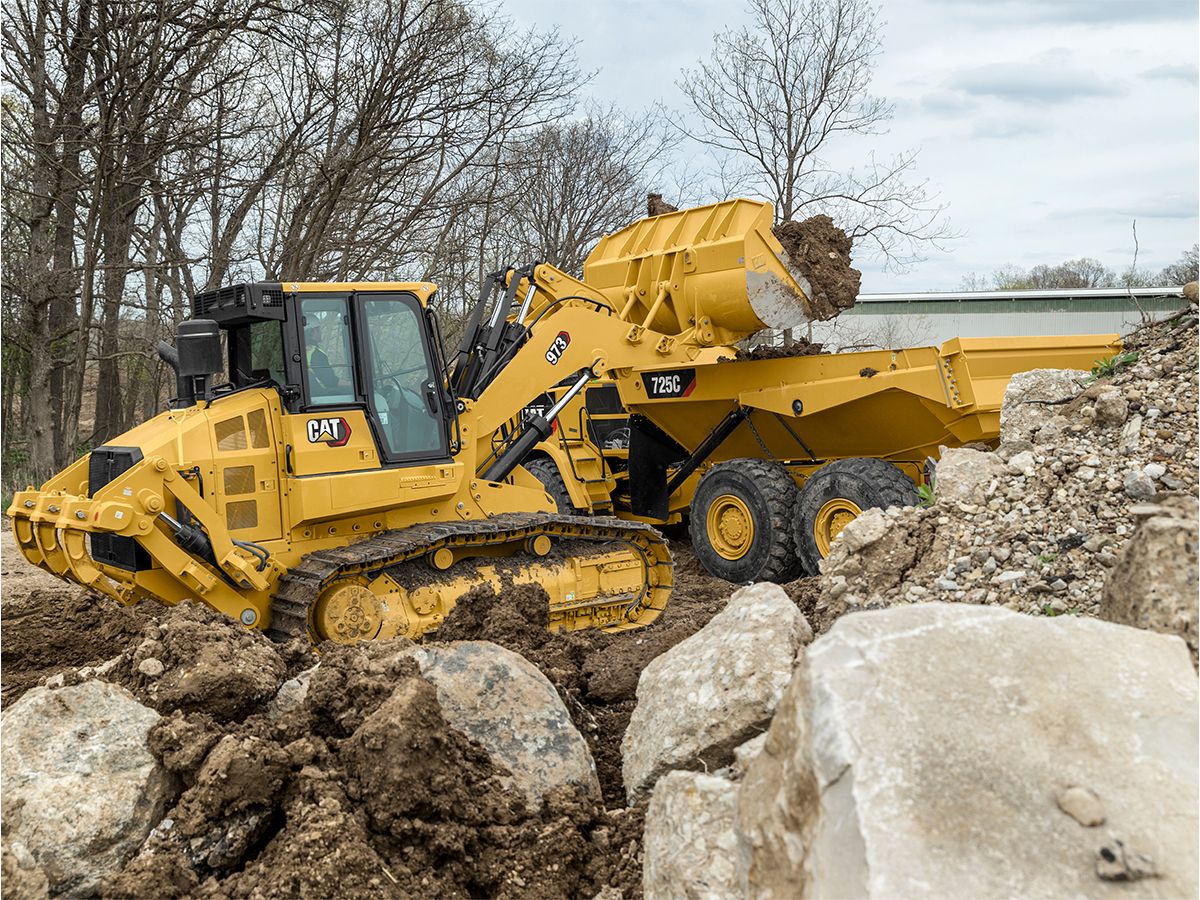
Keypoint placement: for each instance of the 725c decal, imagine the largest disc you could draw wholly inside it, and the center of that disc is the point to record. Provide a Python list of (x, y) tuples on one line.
[(671, 384)]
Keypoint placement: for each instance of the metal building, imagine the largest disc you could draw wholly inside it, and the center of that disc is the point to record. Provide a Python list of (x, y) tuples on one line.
[(899, 320)]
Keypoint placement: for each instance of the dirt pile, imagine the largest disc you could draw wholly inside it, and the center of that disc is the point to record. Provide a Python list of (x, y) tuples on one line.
[(821, 251), (47, 630), (801, 347), (360, 788)]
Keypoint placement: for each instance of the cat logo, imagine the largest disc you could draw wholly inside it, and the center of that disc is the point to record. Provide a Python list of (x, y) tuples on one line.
[(334, 432)]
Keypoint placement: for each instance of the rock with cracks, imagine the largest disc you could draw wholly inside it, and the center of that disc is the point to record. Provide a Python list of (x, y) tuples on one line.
[(964, 474), (501, 700), (947, 750), (81, 787), (690, 842), (1033, 397), (1154, 584), (713, 691)]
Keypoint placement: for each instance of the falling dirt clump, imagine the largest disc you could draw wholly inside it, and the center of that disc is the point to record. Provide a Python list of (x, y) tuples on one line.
[(821, 251)]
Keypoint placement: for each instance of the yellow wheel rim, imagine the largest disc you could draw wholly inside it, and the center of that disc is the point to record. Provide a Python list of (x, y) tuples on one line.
[(730, 526), (831, 519), (347, 612)]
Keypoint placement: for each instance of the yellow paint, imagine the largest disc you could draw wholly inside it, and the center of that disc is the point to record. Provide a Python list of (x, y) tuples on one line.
[(730, 526), (831, 519)]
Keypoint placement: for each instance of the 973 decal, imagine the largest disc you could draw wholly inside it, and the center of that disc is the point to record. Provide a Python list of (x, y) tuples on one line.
[(331, 432), (669, 385), (558, 347)]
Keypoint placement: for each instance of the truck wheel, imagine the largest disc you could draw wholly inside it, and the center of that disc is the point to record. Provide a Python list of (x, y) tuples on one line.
[(741, 519), (545, 471), (836, 494)]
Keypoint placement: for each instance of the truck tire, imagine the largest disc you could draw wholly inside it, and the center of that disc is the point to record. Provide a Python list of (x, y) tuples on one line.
[(741, 522), (836, 494), (545, 471)]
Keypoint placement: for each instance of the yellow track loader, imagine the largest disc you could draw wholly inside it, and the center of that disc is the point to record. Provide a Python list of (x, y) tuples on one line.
[(349, 482)]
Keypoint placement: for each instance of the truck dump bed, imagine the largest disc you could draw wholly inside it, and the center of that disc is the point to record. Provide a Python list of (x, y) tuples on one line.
[(898, 405)]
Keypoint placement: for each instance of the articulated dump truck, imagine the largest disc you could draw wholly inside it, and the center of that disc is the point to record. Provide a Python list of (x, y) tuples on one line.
[(328, 470)]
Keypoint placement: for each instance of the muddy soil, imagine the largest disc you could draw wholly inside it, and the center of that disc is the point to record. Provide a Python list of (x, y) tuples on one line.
[(362, 789), (48, 626), (801, 347), (821, 251)]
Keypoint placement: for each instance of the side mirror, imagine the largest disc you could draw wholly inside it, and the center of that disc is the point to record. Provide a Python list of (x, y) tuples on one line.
[(198, 342)]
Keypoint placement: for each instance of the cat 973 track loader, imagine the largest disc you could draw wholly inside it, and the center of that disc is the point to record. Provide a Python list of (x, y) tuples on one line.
[(350, 483)]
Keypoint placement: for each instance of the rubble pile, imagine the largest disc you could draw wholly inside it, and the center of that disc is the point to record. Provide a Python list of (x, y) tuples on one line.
[(1039, 525)]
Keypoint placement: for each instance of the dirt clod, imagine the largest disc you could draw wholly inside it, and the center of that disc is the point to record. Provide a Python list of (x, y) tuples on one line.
[(821, 251)]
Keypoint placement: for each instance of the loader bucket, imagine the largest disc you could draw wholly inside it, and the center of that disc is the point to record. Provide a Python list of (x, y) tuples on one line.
[(715, 271)]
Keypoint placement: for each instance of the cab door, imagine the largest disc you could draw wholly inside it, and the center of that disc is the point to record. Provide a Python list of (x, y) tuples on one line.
[(401, 381)]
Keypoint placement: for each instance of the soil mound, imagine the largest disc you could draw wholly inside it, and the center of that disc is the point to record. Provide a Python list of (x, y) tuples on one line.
[(801, 347), (821, 251), (47, 630), (360, 788)]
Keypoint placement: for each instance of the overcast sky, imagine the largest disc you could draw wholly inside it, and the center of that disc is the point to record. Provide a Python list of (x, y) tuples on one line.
[(1046, 125)]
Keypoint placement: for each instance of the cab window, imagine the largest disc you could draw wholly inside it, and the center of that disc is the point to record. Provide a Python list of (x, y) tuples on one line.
[(400, 373), (266, 351), (329, 370)]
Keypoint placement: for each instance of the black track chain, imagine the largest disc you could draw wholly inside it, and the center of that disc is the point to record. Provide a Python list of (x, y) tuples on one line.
[(300, 586)]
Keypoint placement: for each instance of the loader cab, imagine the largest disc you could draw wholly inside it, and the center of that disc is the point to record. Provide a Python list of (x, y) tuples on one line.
[(332, 349)]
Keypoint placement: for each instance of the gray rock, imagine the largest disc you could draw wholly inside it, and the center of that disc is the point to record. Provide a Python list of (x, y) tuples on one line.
[(501, 700), (1154, 470), (1111, 409), (291, 695), (1031, 397), (865, 529), (1139, 486), (151, 667), (964, 475), (1022, 463), (1131, 435), (920, 751), (81, 788), (713, 691), (1153, 584), (690, 845)]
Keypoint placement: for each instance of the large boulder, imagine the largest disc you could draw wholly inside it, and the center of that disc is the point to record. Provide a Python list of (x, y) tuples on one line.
[(1154, 584), (965, 475), (1033, 397), (715, 690), (81, 787), (501, 700), (690, 845), (948, 750)]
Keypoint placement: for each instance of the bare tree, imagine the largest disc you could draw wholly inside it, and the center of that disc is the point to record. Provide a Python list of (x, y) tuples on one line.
[(1183, 270), (786, 93)]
